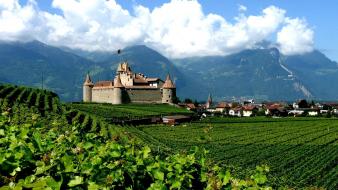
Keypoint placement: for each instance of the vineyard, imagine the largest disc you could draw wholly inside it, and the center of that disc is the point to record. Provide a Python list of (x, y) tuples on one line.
[(127, 111), (47, 145), (301, 152), (44, 101)]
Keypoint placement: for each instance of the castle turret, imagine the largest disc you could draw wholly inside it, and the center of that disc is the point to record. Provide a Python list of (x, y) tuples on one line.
[(87, 89), (168, 91), (118, 91)]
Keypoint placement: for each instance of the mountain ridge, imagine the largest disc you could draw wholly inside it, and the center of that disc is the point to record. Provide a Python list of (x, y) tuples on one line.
[(263, 74)]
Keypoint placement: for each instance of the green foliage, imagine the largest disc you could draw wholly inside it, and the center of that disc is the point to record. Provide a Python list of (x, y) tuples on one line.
[(33, 157), (61, 150)]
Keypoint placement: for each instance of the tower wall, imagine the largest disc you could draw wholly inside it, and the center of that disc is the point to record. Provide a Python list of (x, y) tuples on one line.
[(168, 95), (117, 96), (87, 93)]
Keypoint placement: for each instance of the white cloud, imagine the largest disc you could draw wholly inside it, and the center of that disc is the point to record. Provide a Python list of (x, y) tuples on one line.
[(16, 21), (177, 29), (295, 37), (242, 8)]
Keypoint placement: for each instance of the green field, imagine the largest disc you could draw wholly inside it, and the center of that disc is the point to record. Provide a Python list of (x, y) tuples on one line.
[(301, 152), (128, 111)]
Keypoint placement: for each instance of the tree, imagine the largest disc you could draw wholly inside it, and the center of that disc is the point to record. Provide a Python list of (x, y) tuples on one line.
[(303, 104), (176, 100), (187, 100)]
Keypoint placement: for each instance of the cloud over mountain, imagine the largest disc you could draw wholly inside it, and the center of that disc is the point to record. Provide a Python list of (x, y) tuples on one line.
[(177, 29)]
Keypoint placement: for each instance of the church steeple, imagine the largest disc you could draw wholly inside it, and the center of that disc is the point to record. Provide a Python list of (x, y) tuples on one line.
[(209, 102)]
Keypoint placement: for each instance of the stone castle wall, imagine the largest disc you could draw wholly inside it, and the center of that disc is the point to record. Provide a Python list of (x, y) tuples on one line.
[(145, 95), (103, 95), (106, 95)]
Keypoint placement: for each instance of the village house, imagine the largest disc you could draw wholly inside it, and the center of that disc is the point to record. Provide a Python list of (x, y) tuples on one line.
[(237, 112), (249, 110), (188, 106), (275, 109), (222, 107), (313, 112)]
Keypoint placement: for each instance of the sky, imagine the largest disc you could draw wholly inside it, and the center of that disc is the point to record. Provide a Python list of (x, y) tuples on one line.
[(175, 28)]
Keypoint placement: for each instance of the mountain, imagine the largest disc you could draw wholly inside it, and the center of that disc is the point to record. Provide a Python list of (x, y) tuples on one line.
[(264, 74), (317, 72), (33, 62), (62, 70)]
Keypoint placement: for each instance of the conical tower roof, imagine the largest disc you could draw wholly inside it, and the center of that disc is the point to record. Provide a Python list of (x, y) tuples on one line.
[(118, 83), (209, 98), (88, 81), (168, 84), (119, 68)]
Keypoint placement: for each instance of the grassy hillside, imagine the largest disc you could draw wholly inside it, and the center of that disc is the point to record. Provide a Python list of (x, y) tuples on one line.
[(51, 147), (301, 152)]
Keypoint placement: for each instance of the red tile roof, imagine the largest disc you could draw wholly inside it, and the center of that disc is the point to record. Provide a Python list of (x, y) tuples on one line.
[(249, 107), (104, 83), (222, 105)]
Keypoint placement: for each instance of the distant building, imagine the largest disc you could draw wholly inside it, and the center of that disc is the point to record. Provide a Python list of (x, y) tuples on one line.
[(129, 87), (276, 109), (249, 110), (222, 107), (313, 112), (237, 111), (209, 102), (176, 119)]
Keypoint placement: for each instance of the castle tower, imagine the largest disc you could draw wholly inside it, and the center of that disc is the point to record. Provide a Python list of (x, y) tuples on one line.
[(87, 89), (168, 90), (118, 91)]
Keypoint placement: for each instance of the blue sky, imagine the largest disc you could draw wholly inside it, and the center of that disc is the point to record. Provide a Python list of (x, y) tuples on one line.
[(321, 16)]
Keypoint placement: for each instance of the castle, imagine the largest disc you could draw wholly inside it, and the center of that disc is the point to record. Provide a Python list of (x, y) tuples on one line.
[(129, 87)]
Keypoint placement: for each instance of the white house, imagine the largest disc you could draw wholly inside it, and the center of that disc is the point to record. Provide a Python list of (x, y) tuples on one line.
[(313, 113), (295, 105), (222, 107), (249, 110), (296, 112), (235, 112)]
